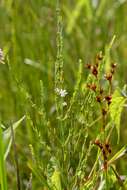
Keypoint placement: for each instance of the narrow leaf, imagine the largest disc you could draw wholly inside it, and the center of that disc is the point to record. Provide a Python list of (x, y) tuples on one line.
[(116, 108), (118, 155), (56, 181)]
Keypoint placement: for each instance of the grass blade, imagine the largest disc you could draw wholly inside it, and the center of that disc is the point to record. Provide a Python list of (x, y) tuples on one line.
[(3, 179)]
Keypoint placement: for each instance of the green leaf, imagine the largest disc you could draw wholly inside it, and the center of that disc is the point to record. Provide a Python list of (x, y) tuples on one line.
[(39, 175), (107, 57), (118, 155), (3, 179), (116, 108), (56, 181), (73, 16), (7, 136)]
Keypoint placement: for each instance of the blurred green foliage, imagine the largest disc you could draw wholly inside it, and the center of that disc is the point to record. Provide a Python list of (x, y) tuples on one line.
[(28, 32)]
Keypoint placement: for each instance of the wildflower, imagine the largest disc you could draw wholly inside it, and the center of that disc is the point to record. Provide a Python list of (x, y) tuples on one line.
[(1, 56), (57, 90), (64, 104), (61, 92)]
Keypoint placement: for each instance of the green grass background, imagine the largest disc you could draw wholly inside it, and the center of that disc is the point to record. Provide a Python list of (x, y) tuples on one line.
[(28, 30)]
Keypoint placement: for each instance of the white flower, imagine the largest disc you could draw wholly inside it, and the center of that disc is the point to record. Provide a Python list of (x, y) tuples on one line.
[(1, 55), (64, 104), (94, 3), (57, 90), (61, 92)]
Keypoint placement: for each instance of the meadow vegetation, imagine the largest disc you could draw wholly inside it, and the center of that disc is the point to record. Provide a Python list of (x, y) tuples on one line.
[(63, 95)]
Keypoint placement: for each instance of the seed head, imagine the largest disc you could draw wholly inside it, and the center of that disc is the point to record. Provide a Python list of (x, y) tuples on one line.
[(99, 56), (108, 99), (112, 71), (92, 87), (98, 98), (104, 111), (94, 71), (108, 77), (113, 65), (88, 66), (101, 90)]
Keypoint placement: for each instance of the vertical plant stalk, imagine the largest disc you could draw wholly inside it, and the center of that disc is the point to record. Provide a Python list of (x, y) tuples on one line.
[(59, 59), (3, 178), (29, 185), (16, 160), (59, 79)]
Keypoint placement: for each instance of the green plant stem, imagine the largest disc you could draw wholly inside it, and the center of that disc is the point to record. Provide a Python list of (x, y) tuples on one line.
[(3, 178)]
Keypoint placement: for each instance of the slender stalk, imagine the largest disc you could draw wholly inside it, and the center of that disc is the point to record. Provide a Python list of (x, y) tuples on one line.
[(3, 178), (16, 159)]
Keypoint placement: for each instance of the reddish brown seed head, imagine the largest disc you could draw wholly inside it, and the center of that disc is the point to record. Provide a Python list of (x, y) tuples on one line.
[(99, 56), (108, 76), (109, 150), (113, 65), (93, 87), (88, 66), (107, 146), (104, 111), (105, 164), (88, 85), (94, 70), (96, 64), (112, 71), (97, 142), (108, 99), (98, 98), (101, 90)]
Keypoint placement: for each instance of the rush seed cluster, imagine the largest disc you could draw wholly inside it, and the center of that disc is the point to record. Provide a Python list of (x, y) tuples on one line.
[(103, 98)]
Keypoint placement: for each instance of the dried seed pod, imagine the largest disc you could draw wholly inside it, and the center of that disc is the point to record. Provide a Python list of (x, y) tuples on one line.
[(108, 76), (99, 56), (88, 85), (113, 65), (104, 111), (105, 165), (94, 70), (93, 87), (88, 66), (109, 150), (98, 98), (112, 71), (107, 146), (98, 143), (108, 99), (96, 64), (101, 90)]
